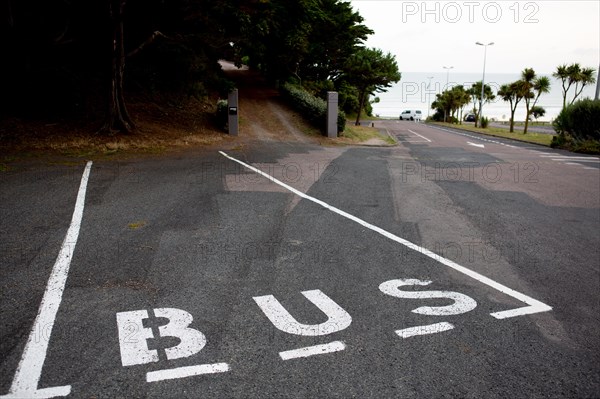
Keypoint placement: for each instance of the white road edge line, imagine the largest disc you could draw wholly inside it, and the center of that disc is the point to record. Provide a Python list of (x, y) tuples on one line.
[(473, 137), (189, 371), (534, 306), (423, 137), (424, 330), (335, 346), (569, 157), (575, 160), (29, 370)]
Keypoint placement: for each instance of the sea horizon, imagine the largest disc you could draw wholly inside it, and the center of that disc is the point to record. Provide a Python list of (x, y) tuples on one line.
[(413, 92)]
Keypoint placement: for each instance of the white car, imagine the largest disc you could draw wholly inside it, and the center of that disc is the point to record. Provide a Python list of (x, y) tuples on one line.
[(410, 115)]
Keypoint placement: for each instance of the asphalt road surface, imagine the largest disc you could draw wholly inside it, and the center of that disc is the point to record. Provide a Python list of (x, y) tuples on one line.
[(448, 266)]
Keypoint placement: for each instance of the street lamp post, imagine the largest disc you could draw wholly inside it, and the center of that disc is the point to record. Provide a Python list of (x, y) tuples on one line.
[(447, 83), (429, 95), (485, 46), (448, 75), (597, 85)]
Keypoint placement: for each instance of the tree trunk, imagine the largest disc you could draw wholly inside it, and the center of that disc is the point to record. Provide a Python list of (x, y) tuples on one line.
[(117, 117), (577, 93), (361, 104), (527, 115), (512, 119)]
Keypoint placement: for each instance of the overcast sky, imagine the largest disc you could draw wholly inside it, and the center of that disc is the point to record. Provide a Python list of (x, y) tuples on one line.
[(536, 34)]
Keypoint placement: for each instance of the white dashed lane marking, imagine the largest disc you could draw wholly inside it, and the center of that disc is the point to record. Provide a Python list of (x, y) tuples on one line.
[(565, 159), (571, 160), (491, 141)]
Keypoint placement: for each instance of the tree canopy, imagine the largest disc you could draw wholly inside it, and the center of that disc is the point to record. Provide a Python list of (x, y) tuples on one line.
[(534, 87), (370, 71), (513, 93), (449, 102), (488, 96), (78, 57), (575, 76)]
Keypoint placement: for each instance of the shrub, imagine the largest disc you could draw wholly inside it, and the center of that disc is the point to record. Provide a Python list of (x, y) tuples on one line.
[(566, 142), (438, 116), (312, 108), (222, 116), (560, 141), (581, 121), (587, 147), (560, 123), (484, 122)]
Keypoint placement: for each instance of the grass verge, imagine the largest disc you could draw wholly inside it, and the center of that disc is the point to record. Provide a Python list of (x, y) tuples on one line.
[(531, 137), (365, 134)]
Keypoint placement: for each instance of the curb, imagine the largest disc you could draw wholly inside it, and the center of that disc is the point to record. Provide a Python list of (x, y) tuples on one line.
[(489, 135)]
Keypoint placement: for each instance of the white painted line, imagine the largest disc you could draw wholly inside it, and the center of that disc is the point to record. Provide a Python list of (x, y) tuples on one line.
[(586, 168), (183, 372), (477, 138), (29, 370), (572, 164), (576, 160), (423, 137), (424, 330), (335, 346), (476, 145), (569, 157), (534, 306)]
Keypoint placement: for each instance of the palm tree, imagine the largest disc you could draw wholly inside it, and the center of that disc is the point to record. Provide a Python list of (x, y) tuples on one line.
[(451, 102), (571, 75), (443, 104), (488, 96), (463, 99), (534, 87), (513, 93), (563, 72), (584, 77), (538, 112)]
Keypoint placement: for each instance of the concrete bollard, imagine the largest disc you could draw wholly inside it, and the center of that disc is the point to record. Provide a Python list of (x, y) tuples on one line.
[(332, 113)]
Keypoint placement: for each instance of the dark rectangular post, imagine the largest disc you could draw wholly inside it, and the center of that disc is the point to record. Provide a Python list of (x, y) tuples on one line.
[(332, 113), (233, 112)]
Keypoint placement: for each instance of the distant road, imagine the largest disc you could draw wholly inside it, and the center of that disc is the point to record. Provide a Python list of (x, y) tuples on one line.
[(537, 129)]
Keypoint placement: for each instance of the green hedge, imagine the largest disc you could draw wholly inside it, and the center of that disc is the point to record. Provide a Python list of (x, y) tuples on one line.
[(312, 108), (581, 121)]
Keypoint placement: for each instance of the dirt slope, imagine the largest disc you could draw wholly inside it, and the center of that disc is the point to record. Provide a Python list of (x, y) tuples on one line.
[(263, 115), (161, 126)]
